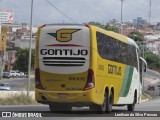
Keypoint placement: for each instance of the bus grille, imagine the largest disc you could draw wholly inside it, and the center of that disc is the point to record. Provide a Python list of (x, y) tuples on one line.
[(64, 61)]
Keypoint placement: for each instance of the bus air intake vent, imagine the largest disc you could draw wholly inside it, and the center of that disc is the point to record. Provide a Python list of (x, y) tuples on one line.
[(64, 61)]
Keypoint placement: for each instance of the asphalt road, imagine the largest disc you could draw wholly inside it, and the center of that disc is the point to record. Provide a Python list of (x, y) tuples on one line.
[(17, 84), (152, 73), (150, 106), (152, 78)]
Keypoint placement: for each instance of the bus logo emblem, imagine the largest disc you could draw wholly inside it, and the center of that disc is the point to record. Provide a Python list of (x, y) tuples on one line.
[(64, 35)]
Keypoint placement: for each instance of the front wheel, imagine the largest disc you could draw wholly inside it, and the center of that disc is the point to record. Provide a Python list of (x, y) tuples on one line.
[(131, 107)]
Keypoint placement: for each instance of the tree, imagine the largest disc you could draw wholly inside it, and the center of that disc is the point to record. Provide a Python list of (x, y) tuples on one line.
[(14, 48), (112, 28), (106, 27), (153, 61), (136, 36), (21, 63), (96, 24)]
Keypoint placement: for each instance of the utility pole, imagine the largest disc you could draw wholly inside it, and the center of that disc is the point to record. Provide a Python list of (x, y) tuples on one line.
[(150, 11), (121, 15), (30, 49)]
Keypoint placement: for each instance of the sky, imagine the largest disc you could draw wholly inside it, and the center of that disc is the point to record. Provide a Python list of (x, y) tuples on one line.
[(81, 11)]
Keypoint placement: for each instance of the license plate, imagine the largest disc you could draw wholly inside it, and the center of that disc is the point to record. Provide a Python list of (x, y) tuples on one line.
[(62, 95)]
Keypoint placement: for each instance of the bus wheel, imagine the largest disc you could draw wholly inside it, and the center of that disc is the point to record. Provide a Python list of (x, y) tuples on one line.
[(109, 102), (131, 107), (104, 105), (59, 108), (100, 108)]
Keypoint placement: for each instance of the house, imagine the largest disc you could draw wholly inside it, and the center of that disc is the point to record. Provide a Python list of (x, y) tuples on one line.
[(153, 43)]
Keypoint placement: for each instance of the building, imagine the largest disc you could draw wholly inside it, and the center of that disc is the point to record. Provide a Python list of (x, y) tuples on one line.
[(127, 29), (24, 42), (146, 31), (22, 38), (139, 22), (10, 60), (18, 35), (6, 16), (153, 43), (14, 35)]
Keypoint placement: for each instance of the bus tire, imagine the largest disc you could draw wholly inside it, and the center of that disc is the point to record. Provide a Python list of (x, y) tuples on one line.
[(59, 108), (102, 108), (99, 108), (131, 107), (109, 102)]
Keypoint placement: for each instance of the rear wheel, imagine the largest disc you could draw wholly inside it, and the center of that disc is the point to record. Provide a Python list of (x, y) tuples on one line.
[(59, 108), (109, 102), (100, 108), (131, 107), (106, 106)]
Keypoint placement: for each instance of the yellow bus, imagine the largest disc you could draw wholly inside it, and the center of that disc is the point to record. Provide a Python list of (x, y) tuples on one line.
[(84, 65)]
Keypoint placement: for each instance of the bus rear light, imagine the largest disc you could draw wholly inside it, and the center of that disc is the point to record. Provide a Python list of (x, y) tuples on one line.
[(37, 79), (90, 80), (43, 26), (87, 25)]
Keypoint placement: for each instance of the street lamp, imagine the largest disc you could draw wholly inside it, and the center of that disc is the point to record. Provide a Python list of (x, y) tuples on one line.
[(30, 49), (121, 15)]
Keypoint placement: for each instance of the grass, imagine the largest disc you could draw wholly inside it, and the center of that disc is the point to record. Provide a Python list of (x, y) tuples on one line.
[(32, 87), (32, 72), (146, 96), (17, 99)]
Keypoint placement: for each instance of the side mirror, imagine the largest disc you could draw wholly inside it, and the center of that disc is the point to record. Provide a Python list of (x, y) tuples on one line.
[(145, 64)]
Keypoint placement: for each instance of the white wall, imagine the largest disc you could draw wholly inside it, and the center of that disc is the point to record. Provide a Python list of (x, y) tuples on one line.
[(24, 44)]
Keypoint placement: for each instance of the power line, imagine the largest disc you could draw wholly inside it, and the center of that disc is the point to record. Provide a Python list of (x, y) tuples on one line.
[(61, 12)]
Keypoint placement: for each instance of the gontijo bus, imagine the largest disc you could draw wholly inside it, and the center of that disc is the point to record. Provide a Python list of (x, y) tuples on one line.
[(84, 65)]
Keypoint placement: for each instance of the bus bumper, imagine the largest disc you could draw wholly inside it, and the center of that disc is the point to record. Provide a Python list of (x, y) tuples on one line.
[(76, 98)]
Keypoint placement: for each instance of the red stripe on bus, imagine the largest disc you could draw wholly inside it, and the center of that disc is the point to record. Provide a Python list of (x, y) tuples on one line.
[(71, 45)]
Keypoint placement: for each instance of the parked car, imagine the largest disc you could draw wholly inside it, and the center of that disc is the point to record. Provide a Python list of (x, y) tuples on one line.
[(15, 74), (22, 74), (5, 86), (151, 87), (26, 75), (6, 74)]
